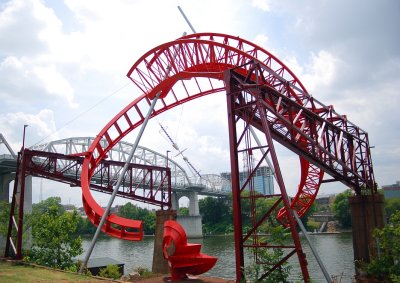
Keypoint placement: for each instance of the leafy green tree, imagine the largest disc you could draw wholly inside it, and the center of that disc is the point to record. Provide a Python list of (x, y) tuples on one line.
[(216, 215), (50, 204), (278, 237), (54, 234), (131, 211), (341, 208), (392, 206), (4, 217), (184, 211), (85, 226), (386, 267), (306, 216)]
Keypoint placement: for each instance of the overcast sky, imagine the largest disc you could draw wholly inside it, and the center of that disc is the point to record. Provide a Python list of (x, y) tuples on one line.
[(63, 68)]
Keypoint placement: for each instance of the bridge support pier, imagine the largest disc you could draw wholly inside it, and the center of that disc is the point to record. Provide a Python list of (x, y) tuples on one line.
[(367, 213), (174, 201), (192, 225), (160, 264), (192, 222)]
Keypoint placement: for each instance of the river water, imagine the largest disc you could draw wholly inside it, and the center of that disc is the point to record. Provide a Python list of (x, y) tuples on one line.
[(335, 250)]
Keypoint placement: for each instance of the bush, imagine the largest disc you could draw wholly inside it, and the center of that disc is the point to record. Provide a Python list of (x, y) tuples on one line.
[(278, 236), (144, 272), (313, 225), (111, 271), (387, 265)]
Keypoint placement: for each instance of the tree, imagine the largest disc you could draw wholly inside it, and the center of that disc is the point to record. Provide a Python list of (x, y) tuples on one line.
[(54, 234), (341, 208), (270, 256), (183, 211), (4, 217), (85, 227), (131, 211), (216, 215), (386, 267), (391, 206)]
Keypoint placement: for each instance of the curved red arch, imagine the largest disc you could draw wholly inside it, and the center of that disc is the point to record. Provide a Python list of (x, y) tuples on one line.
[(197, 62)]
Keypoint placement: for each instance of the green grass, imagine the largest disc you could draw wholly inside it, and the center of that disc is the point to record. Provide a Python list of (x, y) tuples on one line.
[(17, 272)]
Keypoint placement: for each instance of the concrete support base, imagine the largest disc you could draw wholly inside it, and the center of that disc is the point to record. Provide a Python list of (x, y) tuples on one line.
[(367, 213), (160, 264), (192, 225)]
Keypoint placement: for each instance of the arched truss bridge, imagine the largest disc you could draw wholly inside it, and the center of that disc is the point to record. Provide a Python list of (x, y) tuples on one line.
[(265, 102), (207, 184)]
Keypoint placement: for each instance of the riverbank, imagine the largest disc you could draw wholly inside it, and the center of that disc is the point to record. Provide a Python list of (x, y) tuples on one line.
[(197, 279), (19, 271)]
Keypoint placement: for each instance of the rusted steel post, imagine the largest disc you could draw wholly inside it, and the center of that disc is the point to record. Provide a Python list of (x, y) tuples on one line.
[(237, 215)]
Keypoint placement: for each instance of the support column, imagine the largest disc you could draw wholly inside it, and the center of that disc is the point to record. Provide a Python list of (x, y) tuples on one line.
[(5, 187), (367, 213), (174, 201), (160, 264), (193, 204), (192, 223)]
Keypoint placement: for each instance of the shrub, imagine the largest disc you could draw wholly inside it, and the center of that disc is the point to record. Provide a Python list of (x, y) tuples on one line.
[(144, 272), (111, 271)]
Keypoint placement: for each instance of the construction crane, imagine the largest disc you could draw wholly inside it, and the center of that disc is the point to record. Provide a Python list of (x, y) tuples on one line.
[(192, 169)]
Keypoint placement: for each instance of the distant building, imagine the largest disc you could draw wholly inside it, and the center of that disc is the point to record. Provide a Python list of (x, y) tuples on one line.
[(69, 207), (263, 180), (324, 202), (392, 191)]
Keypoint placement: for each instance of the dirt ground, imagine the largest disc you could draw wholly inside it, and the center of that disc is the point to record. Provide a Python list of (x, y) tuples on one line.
[(197, 279)]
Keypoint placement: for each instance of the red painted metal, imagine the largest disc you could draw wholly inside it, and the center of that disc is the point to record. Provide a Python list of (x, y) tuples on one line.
[(245, 107), (16, 243), (322, 138), (198, 62), (144, 183), (185, 258)]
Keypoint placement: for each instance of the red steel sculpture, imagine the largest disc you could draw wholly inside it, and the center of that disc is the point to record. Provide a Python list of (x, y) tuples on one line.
[(193, 66), (184, 258), (262, 93)]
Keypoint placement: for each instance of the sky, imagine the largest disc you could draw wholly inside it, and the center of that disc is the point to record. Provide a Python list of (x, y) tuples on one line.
[(63, 68)]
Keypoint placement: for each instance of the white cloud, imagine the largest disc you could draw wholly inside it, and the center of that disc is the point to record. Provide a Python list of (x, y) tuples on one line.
[(40, 125), (261, 40), (351, 63), (320, 71), (261, 4), (55, 83), (28, 29)]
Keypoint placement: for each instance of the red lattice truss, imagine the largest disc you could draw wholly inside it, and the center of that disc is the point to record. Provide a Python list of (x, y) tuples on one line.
[(192, 66)]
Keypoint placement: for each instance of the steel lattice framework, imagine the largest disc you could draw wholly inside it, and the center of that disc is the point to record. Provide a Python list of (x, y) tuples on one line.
[(262, 93), (210, 184), (193, 66)]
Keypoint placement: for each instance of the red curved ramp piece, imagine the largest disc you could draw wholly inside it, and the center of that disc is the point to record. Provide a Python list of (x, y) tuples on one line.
[(118, 227), (185, 258), (207, 55)]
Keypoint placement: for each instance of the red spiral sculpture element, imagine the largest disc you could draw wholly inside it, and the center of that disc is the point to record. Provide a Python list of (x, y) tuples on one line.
[(185, 69)]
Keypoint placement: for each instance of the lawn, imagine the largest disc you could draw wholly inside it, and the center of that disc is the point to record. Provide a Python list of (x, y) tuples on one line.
[(16, 272)]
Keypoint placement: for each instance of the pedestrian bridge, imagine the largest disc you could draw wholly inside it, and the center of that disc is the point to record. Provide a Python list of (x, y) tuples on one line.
[(181, 181), (182, 184)]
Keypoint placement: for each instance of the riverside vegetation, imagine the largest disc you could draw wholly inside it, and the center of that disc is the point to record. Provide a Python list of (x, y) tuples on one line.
[(56, 233)]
